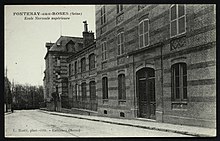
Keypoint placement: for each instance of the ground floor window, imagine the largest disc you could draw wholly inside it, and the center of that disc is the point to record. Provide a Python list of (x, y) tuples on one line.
[(121, 87), (105, 88), (179, 82), (92, 89), (83, 90)]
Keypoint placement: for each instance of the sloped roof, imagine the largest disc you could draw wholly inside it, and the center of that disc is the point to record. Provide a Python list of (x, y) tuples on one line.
[(60, 44)]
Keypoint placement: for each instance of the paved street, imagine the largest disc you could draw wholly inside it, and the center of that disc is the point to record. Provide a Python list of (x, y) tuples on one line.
[(34, 123)]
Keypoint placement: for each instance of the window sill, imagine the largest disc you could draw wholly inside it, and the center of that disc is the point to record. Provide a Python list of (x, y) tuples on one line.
[(121, 55), (122, 102), (92, 69), (144, 46), (178, 36), (179, 105), (120, 13), (104, 61), (105, 101)]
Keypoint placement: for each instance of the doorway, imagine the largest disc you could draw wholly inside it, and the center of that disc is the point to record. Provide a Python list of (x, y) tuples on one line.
[(146, 93)]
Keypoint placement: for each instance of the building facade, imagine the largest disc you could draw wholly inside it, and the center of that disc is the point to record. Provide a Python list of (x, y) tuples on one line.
[(82, 74), (56, 72), (157, 62)]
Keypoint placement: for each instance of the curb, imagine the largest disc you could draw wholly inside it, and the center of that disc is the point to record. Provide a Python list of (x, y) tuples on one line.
[(7, 113), (139, 126)]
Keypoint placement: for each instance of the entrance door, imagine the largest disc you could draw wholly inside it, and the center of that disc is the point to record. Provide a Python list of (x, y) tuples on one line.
[(146, 93)]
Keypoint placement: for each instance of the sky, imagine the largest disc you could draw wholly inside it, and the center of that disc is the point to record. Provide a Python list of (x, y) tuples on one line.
[(25, 38)]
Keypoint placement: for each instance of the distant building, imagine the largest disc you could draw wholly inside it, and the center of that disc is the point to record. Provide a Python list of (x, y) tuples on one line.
[(56, 72)]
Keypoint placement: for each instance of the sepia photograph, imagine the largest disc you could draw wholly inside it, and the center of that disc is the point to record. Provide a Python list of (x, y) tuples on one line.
[(110, 70)]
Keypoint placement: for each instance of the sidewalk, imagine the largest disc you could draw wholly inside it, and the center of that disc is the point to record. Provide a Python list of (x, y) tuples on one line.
[(181, 129)]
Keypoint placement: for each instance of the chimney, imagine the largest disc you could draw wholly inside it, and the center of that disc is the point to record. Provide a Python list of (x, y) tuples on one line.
[(85, 26), (88, 37), (48, 46)]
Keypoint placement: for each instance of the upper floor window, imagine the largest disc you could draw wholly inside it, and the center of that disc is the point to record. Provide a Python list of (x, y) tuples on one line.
[(58, 74), (104, 51), (103, 16), (105, 88), (58, 61), (177, 19), (119, 8), (69, 69), (91, 61), (141, 6), (144, 33), (179, 82), (75, 67), (120, 43), (83, 64), (121, 87)]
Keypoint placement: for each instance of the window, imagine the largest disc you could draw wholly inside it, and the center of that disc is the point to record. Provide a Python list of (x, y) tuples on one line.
[(121, 87), (91, 61), (58, 75), (58, 61), (179, 82), (83, 64), (104, 51), (76, 95), (76, 67), (177, 19), (69, 69), (144, 33), (83, 90), (70, 88), (120, 43), (92, 90), (141, 7), (103, 18), (105, 88), (119, 8)]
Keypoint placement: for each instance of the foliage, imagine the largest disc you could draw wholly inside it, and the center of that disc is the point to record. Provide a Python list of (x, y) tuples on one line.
[(27, 96)]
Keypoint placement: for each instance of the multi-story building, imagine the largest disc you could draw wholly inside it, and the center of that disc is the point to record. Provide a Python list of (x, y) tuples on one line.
[(56, 71), (157, 62), (69, 63), (82, 74), (148, 61)]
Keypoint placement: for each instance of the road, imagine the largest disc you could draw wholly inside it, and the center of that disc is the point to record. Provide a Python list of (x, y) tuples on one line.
[(35, 123)]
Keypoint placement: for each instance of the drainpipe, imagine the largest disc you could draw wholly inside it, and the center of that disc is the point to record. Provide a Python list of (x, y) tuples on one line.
[(134, 87), (162, 80)]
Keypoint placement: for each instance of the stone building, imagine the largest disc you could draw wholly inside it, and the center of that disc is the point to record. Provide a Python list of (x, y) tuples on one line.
[(60, 77), (82, 75), (157, 62), (56, 71)]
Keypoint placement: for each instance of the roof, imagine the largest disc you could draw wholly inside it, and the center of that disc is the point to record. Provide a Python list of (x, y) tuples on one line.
[(60, 44)]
